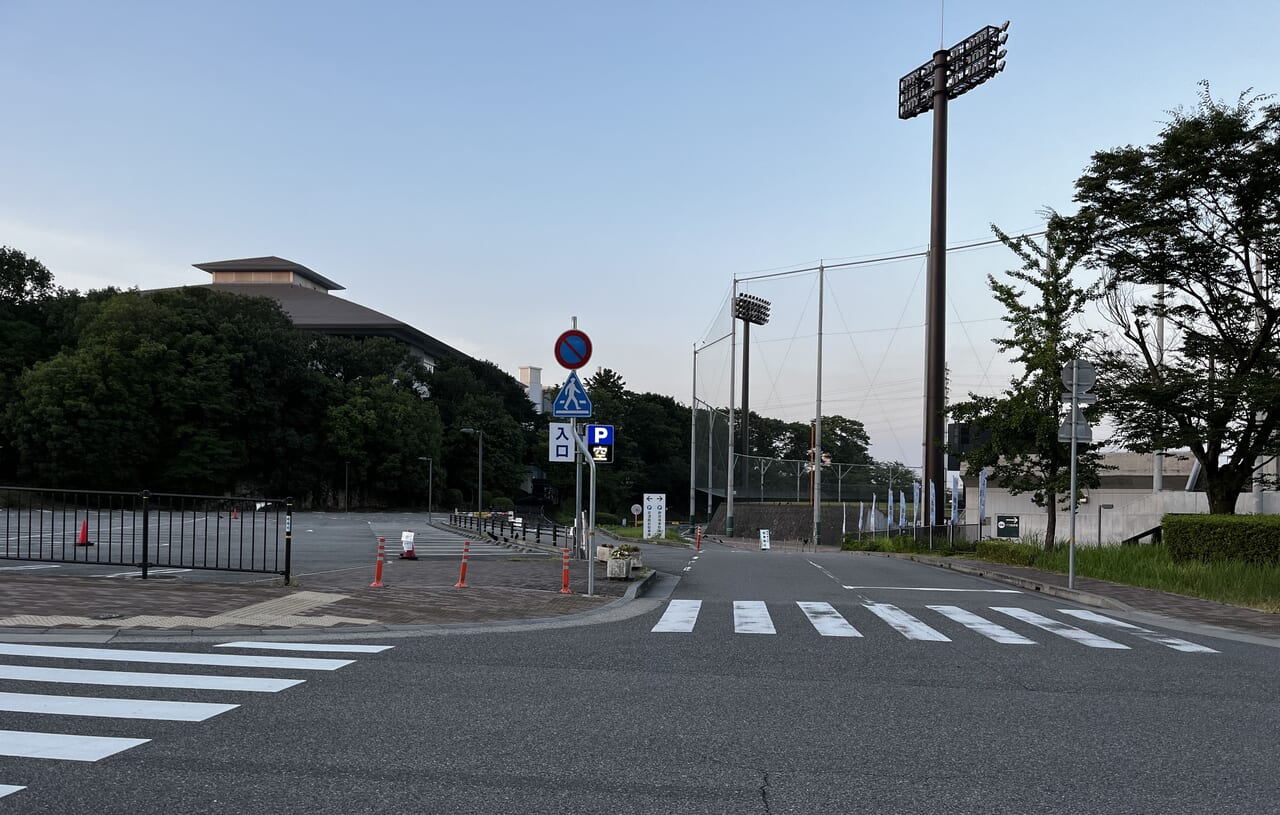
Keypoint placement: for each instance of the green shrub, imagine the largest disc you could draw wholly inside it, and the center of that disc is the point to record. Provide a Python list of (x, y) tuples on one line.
[(1207, 538), (503, 504), (1014, 554)]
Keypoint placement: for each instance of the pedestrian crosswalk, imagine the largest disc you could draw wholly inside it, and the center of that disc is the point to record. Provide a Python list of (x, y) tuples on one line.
[(755, 617), (87, 746)]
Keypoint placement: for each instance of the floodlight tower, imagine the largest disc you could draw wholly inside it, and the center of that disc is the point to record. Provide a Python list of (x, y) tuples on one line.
[(751, 310), (952, 72)]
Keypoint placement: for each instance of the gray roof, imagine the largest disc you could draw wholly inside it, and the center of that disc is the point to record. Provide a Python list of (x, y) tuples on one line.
[(270, 263), (317, 311)]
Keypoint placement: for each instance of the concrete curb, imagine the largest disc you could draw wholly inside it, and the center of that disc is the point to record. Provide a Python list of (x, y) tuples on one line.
[(1075, 595)]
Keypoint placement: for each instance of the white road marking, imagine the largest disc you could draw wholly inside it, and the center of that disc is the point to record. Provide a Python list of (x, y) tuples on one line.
[(133, 679), (927, 588), (24, 569), (827, 620), (905, 624), (1061, 629), (308, 646), (680, 616), (1144, 633), (9, 789), (172, 657), (138, 573), (752, 617), (986, 628), (25, 744), (111, 708)]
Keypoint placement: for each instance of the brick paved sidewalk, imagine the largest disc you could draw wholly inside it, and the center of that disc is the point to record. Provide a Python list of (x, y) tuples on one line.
[(417, 592)]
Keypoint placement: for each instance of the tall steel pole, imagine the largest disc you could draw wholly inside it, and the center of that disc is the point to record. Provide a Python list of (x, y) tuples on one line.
[(817, 426), (693, 442), (936, 304), (733, 351)]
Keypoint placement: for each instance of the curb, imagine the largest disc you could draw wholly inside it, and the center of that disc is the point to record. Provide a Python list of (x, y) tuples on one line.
[(1075, 595)]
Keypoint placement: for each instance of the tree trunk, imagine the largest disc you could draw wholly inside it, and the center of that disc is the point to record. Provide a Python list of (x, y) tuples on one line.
[(1223, 489), (1051, 521)]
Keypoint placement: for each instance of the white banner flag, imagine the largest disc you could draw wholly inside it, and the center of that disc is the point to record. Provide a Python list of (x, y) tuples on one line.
[(982, 496)]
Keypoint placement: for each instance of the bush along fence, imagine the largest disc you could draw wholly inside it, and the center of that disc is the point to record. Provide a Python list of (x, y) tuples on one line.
[(943, 537), (1246, 538), (147, 530)]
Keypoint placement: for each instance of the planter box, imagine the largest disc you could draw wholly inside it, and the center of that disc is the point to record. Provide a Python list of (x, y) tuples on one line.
[(603, 552), (619, 568)]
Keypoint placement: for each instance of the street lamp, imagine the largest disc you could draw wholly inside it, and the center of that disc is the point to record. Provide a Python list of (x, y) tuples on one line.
[(430, 484), (952, 71), (1100, 508), (479, 469)]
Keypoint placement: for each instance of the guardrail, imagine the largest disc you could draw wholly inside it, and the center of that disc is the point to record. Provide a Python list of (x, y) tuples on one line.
[(502, 525), (147, 530)]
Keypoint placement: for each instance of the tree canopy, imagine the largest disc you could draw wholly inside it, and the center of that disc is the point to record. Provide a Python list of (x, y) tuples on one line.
[(1181, 231)]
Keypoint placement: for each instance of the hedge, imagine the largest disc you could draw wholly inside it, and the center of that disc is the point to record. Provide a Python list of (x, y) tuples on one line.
[(1246, 538)]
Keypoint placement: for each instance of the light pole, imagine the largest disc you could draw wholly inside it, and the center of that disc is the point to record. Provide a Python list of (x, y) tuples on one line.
[(479, 469), (951, 72), (430, 484), (1100, 508)]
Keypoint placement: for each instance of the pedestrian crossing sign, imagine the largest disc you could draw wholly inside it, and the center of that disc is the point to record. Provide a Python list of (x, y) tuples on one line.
[(572, 402)]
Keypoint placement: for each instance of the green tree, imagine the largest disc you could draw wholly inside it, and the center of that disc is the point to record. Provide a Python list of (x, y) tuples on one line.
[(1023, 448), (1181, 229)]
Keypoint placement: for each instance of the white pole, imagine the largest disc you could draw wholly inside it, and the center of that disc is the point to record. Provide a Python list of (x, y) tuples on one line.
[(733, 354), (693, 442), (1071, 535)]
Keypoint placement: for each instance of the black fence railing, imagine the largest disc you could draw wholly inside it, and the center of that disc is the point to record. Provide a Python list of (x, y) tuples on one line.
[(514, 528), (147, 530)]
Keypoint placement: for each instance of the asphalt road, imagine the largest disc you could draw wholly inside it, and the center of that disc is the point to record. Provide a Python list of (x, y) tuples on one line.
[(615, 717)]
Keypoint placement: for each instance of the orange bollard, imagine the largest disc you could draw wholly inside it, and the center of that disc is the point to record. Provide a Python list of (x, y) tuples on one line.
[(235, 514), (564, 583), (462, 579), (699, 547), (382, 556)]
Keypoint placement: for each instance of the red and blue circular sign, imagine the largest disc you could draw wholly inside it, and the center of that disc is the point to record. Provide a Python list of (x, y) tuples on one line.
[(573, 349)]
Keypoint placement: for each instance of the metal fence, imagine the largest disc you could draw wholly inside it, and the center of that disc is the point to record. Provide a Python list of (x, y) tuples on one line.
[(514, 528), (147, 530), (956, 537)]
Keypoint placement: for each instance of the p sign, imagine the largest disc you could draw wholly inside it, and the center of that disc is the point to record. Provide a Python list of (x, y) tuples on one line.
[(600, 442)]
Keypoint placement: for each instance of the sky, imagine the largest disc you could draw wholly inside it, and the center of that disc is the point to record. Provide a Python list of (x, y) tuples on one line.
[(488, 171)]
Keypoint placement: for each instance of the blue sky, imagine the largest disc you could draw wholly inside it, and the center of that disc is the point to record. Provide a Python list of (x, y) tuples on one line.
[(486, 170)]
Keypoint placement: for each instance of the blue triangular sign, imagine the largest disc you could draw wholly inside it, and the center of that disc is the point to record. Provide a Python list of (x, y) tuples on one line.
[(572, 402)]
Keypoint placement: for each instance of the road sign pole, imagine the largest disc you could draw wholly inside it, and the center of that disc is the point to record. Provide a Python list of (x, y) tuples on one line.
[(577, 488), (1071, 539)]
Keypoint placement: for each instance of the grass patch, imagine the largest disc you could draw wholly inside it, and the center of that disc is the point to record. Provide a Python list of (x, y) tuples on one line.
[(905, 545), (1240, 584), (631, 532)]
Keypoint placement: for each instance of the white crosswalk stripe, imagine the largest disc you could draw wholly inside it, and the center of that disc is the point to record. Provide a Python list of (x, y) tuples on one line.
[(1146, 634), (1061, 629), (680, 617), (754, 617), (984, 627), (827, 620), (905, 624), (83, 709)]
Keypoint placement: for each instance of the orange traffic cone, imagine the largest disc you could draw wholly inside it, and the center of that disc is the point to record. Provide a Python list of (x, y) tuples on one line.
[(234, 513), (83, 540)]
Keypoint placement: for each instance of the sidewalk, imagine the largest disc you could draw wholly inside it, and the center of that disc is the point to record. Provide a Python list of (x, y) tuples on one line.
[(414, 593), (1087, 591)]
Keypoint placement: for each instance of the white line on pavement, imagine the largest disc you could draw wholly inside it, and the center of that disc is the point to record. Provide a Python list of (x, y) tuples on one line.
[(930, 588), (1063, 630), (905, 624), (25, 744), (172, 657), (308, 646), (752, 617), (134, 679), (680, 616), (111, 708), (827, 620), (1144, 633), (986, 628), (9, 789)]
